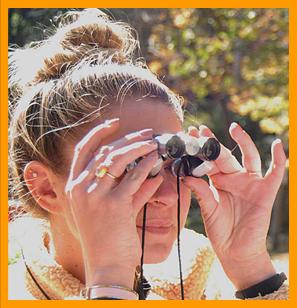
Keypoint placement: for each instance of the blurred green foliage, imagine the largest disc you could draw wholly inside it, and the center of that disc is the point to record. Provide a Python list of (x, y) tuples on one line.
[(228, 64)]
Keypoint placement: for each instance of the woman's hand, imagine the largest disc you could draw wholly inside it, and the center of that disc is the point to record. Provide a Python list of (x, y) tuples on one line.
[(236, 207), (105, 209)]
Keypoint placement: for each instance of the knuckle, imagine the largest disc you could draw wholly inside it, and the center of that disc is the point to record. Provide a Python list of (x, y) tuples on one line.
[(105, 149), (102, 152), (98, 157), (249, 155), (110, 159), (282, 161), (119, 154)]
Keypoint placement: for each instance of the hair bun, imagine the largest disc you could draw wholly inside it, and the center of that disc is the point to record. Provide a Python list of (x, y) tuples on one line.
[(86, 35), (97, 35)]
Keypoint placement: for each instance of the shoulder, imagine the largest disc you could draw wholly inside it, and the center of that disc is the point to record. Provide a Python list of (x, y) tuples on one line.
[(196, 257), (17, 288), (16, 269), (22, 230)]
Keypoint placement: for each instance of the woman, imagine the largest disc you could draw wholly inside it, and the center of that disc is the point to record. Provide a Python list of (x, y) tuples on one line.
[(84, 109)]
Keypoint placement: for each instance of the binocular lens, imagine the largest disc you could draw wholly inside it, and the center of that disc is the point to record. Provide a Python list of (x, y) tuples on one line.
[(211, 149), (187, 153), (175, 147)]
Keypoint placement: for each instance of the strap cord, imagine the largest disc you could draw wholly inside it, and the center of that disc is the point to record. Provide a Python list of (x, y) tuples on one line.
[(33, 278), (178, 235), (144, 286)]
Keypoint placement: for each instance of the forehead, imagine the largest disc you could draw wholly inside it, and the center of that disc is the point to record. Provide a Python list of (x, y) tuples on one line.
[(137, 115), (134, 116)]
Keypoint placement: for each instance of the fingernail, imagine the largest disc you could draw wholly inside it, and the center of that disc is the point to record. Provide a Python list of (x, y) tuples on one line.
[(233, 125), (278, 141), (146, 132), (202, 127), (112, 121), (191, 127)]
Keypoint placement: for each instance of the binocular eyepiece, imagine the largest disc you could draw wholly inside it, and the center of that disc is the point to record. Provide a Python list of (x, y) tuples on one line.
[(185, 153), (173, 146)]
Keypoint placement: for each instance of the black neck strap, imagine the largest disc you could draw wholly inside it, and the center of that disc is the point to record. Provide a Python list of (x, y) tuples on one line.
[(33, 278)]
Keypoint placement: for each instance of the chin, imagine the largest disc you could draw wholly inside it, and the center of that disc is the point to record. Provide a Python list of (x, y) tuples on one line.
[(156, 253), (157, 249)]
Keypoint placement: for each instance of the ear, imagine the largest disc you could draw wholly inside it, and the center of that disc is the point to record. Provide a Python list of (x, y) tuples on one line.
[(40, 181)]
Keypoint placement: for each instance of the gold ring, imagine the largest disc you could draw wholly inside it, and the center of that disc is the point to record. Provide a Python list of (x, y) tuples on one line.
[(101, 172), (111, 175)]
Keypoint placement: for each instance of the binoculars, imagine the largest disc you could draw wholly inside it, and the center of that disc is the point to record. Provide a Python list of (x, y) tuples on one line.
[(184, 152)]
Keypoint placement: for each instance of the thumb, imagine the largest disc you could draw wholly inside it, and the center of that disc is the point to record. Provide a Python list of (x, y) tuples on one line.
[(145, 192), (204, 195)]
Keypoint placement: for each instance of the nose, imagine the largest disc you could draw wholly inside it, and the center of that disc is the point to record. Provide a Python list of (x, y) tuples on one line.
[(166, 193)]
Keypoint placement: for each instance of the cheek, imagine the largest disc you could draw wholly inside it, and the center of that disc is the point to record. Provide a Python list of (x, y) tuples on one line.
[(66, 208), (185, 193), (69, 220)]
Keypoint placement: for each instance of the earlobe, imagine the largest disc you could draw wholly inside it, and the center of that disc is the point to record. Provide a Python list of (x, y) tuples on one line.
[(39, 180)]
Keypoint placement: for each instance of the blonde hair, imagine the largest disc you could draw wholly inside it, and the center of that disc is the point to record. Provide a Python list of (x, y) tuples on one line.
[(68, 80)]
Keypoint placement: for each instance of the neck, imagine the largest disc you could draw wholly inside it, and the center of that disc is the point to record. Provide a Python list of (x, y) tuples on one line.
[(66, 248)]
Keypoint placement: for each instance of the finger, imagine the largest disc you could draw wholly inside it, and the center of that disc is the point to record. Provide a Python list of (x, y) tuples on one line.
[(193, 131), (214, 190), (275, 173), (226, 162), (146, 192), (211, 166), (91, 169), (144, 134), (133, 179), (204, 195), (251, 160), (85, 149), (230, 182), (106, 149), (117, 161)]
